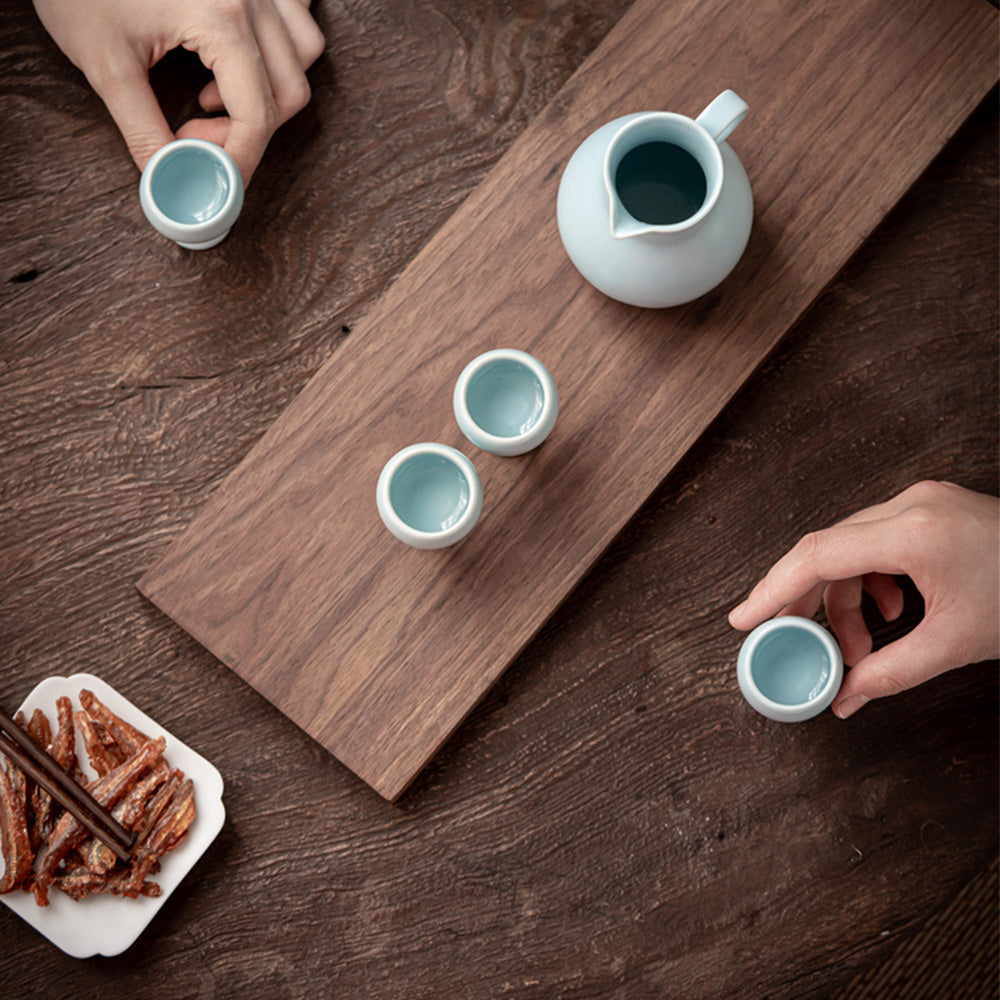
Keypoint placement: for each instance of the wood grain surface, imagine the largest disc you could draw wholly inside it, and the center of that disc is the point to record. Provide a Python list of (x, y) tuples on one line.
[(379, 651), (611, 821)]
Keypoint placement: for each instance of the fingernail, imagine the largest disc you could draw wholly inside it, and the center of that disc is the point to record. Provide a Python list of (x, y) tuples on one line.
[(850, 705), (737, 611)]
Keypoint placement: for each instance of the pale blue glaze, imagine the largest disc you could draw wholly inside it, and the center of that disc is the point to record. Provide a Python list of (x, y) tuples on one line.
[(790, 669), (429, 492), (505, 399), (190, 186), (506, 402), (191, 191), (656, 265), (429, 495)]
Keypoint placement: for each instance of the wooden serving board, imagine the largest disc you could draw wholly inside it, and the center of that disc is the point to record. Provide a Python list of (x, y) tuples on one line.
[(379, 651)]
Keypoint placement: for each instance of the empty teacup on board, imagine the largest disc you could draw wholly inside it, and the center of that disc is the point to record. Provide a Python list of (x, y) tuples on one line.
[(790, 669), (506, 402), (192, 192), (429, 495)]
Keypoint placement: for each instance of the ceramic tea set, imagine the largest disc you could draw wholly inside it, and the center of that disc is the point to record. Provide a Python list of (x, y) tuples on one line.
[(429, 495), (654, 209)]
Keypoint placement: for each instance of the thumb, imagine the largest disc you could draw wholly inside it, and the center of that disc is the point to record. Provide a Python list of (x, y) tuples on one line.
[(917, 657), (126, 92)]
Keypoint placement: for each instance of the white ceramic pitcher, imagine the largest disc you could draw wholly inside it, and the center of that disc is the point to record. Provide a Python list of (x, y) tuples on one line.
[(655, 208)]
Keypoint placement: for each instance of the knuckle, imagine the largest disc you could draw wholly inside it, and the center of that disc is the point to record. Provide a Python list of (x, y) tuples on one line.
[(922, 519), (270, 117), (314, 46), (928, 491), (99, 77), (233, 12), (811, 546), (890, 683), (293, 97)]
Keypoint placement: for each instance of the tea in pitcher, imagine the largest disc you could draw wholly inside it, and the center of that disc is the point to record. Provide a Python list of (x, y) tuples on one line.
[(660, 183)]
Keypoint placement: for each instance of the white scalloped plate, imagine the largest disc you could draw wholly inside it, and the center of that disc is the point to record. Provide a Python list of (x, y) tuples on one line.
[(107, 925)]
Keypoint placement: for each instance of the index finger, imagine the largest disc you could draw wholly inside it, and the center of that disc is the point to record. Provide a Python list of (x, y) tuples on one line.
[(246, 95), (126, 91), (847, 550)]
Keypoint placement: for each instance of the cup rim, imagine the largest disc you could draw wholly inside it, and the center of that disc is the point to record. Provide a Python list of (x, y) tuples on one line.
[(711, 196), (782, 711), (514, 444), (221, 221), (401, 528)]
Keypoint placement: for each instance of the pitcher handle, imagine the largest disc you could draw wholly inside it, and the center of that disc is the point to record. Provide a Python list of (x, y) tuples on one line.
[(723, 115)]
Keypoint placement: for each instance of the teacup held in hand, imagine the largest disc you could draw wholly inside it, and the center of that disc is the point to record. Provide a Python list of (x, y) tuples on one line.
[(192, 193), (790, 669)]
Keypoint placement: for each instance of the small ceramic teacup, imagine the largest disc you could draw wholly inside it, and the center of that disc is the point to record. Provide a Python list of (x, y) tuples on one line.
[(192, 192), (429, 495), (506, 402), (790, 669)]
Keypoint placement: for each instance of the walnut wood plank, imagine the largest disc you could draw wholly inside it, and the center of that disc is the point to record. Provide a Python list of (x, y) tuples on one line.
[(379, 651)]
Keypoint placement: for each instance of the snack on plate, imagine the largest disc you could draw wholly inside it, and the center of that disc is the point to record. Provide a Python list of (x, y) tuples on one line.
[(44, 845)]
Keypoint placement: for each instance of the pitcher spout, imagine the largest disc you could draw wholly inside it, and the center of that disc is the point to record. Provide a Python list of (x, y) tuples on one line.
[(662, 173), (623, 225)]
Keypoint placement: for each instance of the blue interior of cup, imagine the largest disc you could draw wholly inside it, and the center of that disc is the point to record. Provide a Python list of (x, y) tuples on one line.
[(505, 398), (429, 492), (790, 666), (190, 186)]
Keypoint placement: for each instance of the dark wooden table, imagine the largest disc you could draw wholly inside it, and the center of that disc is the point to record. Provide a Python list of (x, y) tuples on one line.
[(612, 820)]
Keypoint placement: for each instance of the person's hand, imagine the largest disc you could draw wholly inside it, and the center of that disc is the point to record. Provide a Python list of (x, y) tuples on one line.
[(945, 538), (258, 51)]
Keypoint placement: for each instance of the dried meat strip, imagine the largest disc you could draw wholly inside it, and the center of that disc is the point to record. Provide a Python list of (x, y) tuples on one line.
[(126, 736), (14, 841), (62, 749), (103, 756), (162, 837), (133, 806), (78, 883), (39, 729), (98, 858), (69, 832), (158, 804), (40, 802)]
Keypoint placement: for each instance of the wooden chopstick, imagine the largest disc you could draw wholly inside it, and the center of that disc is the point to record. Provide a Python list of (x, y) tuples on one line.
[(16, 744)]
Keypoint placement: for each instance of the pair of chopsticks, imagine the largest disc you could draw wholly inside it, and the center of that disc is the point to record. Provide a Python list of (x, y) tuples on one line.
[(16, 744)]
